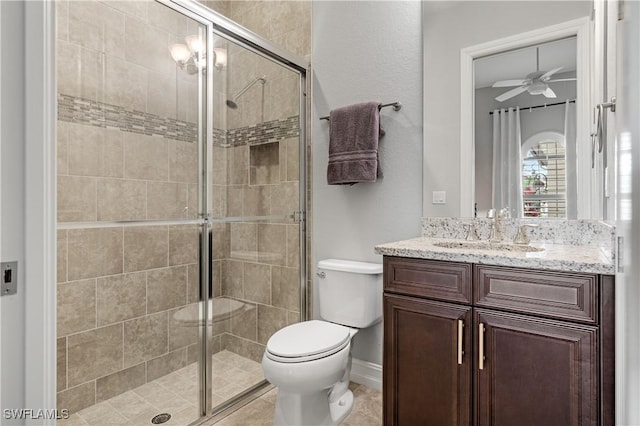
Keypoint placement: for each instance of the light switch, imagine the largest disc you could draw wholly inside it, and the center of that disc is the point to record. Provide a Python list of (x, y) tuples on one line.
[(439, 197)]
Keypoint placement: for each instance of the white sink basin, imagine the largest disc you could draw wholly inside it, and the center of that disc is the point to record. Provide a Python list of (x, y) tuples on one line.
[(487, 245)]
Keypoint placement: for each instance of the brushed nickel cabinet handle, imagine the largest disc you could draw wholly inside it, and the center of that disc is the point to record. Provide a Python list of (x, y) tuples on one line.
[(481, 346), (460, 333)]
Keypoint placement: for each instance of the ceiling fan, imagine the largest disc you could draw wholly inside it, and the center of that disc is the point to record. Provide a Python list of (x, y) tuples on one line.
[(536, 83)]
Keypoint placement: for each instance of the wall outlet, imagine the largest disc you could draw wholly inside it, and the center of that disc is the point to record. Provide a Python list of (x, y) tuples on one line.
[(439, 197)]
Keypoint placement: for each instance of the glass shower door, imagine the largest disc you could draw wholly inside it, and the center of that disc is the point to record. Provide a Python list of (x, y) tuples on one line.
[(256, 178), (131, 145)]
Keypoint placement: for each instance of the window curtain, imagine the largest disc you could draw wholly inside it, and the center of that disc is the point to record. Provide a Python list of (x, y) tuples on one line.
[(571, 160), (507, 161)]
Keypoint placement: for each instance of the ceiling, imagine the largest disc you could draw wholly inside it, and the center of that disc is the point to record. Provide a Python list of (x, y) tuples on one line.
[(516, 64)]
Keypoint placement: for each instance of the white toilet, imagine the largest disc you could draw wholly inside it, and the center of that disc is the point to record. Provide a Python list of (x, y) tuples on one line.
[(310, 362)]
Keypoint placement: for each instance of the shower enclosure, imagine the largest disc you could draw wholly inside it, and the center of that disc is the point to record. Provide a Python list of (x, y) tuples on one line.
[(181, 203)]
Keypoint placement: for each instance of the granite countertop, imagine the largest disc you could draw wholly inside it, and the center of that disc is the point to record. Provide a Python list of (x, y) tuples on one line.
[(557, 257)]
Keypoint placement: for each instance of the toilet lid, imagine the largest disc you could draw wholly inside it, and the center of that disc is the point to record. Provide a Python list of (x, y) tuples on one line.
[(308, 339)]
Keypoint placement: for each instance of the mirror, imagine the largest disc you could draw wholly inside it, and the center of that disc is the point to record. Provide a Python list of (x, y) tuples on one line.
[(525, 131), (470, 45)]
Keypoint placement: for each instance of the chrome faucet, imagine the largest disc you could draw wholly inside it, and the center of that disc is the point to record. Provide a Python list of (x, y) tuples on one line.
[(521, 236), (471, 232), (495, 234)]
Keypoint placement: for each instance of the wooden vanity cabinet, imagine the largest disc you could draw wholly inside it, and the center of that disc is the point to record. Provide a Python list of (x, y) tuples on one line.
[(486, 345)]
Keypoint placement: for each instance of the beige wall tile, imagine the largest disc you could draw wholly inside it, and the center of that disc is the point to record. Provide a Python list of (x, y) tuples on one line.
[(272, 243), (76, 199), (183, 245), (161, 94), (292, 159), (232, 278), (166, 288), (238, 165), (136, 7), (188, 103), (192, 201), (244, 239), (219, 172), (193, 282), (122, 199), (62, 19), (85, 144), (219, 200), (76, 307), (285, 288), (94, 252), (167, 200), (146, 248), (145, 338), (257, 282), (221, 244), (293, 246), (146, 157), (94, 353), (270, 320), (245, 324), (166, 364), (181, 334), (121, 297), (256, 200), (216, 277), (235, 198), (147, 46), (62, 147), (61, 256), (284, 198), (77, 398), (243, 347), (126, 84), (94, 25), (183, 161), (61, 363), (112, 154), (293, 317), (282, 98), (167, 19), (120, 382)]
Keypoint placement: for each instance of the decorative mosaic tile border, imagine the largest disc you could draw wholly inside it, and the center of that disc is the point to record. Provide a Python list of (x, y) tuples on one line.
[(99, 114), (92, 113), (267, 132)]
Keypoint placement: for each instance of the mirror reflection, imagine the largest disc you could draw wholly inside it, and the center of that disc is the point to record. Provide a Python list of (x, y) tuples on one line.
[(525, 131)]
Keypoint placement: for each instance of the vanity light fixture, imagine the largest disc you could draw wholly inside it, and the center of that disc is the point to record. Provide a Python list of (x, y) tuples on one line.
[(192, 56)]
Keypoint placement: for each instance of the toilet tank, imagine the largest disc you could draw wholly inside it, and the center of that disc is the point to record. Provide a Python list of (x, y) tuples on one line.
[(350, 292)]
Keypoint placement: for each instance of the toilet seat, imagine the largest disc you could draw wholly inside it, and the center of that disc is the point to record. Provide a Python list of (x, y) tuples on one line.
[(307, 341)]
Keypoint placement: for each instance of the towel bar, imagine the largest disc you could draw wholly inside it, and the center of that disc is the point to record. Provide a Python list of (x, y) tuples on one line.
[(397, 106)]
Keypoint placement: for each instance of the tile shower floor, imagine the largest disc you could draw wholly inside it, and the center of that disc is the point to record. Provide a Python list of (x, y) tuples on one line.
[(177, 393)]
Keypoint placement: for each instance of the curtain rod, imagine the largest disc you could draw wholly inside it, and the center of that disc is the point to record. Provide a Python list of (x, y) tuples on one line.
[(572, 101)]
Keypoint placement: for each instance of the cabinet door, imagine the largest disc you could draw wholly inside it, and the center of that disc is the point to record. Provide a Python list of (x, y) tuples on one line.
[(427, 362), (532, 371)]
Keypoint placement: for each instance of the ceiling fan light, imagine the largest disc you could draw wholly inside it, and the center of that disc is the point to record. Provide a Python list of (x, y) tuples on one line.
[(537, 88)]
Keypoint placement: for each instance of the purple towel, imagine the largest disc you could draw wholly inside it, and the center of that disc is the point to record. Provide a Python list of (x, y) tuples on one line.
[(353, 144)]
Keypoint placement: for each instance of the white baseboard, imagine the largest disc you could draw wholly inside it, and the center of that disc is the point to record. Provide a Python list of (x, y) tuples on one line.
[(366, 373)]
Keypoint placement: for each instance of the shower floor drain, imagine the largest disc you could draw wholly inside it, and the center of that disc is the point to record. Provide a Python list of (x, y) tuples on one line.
[(161, 418)]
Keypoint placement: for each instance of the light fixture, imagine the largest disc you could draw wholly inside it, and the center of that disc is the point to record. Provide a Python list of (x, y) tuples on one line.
[(192, 57)]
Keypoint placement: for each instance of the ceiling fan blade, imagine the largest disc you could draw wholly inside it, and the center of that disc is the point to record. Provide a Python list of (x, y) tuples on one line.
[(549, 93), (548, 74), (509, 83), (561, 79), (511, 93)]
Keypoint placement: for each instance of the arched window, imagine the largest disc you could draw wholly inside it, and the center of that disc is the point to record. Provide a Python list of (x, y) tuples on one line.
[(544, 177)]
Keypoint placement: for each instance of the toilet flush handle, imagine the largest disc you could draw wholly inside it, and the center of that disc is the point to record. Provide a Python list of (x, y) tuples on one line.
[(321, 274)]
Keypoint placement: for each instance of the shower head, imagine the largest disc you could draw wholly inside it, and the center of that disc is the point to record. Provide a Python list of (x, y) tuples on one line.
[(231, 103)]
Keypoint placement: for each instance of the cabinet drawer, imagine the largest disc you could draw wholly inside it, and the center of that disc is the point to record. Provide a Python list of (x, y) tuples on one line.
[(571, 296), (450, 281)]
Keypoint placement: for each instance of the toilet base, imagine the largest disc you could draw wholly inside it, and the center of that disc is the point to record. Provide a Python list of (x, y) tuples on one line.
[(311, 409)]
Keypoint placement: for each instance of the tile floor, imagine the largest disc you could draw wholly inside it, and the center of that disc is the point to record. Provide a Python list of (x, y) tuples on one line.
[(177, 393)]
